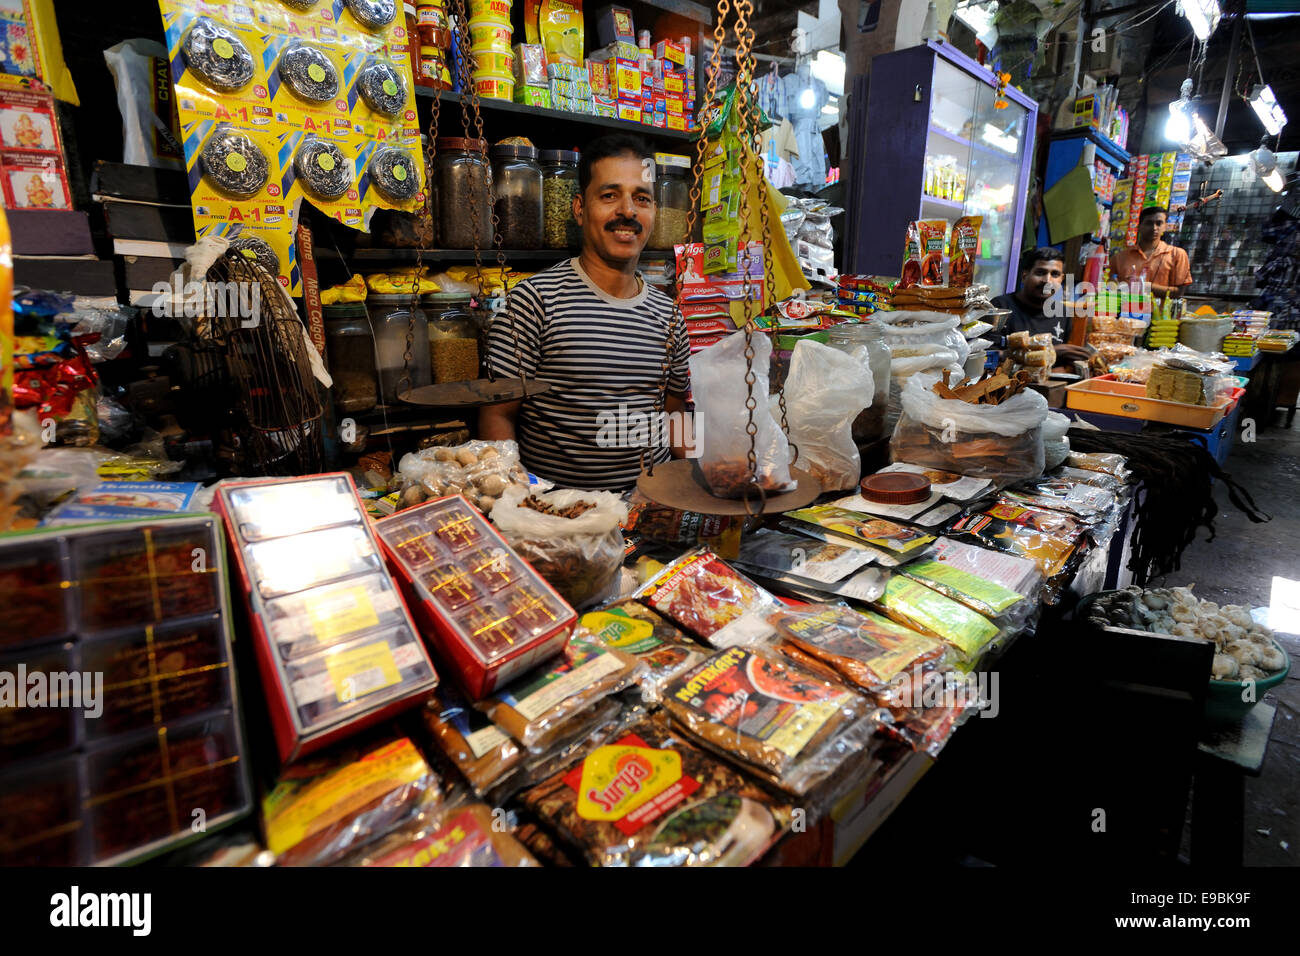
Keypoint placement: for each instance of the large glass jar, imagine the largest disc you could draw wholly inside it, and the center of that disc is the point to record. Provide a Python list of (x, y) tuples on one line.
[(866, 342), (461, 176), (391, 317), (351, 352), (517, 190), (673, 207), (453, 337), (559, 185)]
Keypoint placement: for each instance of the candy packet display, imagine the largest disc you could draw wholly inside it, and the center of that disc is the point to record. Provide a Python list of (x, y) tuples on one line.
[(688, 808), (711, 601), (779, 720), (914, 605)]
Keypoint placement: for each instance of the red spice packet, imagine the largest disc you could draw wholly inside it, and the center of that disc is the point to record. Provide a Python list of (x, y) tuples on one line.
[(705, 596)]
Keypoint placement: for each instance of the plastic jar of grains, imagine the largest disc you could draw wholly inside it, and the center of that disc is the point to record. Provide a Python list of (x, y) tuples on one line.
[(351, 351), (672, 206), (517, 191), (866, 342), (462, 176), (453, 337), (559, 185), (391, 317)]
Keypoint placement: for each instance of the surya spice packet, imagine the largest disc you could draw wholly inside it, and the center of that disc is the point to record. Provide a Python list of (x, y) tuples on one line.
[(963, 249), (933, 233), (651, 798), (759, 709)]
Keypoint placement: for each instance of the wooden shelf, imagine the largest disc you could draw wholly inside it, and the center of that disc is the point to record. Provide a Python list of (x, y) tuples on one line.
[(548, 117), (489, 256)]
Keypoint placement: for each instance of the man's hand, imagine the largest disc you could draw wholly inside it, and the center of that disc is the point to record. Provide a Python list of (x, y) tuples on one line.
[(497, 422), (1069, 354)]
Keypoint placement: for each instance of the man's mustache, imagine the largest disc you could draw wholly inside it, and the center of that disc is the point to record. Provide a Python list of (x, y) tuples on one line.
[(629, 224)]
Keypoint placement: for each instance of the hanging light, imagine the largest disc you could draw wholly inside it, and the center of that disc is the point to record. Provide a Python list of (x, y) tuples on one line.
[(1267, 108), (1178, 128), (1264, 163), (1203, 15)]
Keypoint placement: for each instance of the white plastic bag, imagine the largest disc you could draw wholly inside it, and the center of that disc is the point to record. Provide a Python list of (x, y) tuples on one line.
[(1056, 446), (999, 442), (579, 556), (718, 386), (145, 133), (824, 392)]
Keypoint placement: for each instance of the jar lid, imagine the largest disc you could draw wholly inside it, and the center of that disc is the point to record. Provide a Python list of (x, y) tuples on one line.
[(514, 152), (444, 298), (896, 488), (390, 298), (459, 142), (670, 168), (343, 310), (558, 155)]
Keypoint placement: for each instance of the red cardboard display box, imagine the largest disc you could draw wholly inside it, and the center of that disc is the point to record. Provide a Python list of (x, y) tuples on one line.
[(489, 614), (335, 643)]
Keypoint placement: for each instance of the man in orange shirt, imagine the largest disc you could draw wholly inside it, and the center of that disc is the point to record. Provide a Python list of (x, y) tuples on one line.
[(1164, 266)]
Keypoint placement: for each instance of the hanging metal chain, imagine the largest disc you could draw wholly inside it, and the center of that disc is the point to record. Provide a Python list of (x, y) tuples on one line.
[(467, 84), (435, 113), (701, 148), (744, 75)]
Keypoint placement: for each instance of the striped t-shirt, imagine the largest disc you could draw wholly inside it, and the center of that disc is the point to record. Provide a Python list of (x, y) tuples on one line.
[(603, 358)]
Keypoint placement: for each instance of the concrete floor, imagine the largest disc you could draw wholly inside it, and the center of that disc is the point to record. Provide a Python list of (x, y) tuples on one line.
[(1238, 567)]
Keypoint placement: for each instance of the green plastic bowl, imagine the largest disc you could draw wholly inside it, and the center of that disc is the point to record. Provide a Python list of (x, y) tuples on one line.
[(1223, 704)]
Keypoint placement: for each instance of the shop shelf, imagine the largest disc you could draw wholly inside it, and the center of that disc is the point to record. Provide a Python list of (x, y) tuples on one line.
[(490, 105), (955, 206), (371, 255)]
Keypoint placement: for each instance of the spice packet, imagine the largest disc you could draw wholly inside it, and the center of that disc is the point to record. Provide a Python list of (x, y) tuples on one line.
[(987, 597), (865, 585), (932, 232), (877, 532), (862, 647), (963, 247), (914, 605), (634, 629), (911, 257), (1014, 573), (687, 807), (781, 721), (464, 836), (709, 600), (535, 709), (794, 554), (481, 750), (1052, 554), (1084, 501)]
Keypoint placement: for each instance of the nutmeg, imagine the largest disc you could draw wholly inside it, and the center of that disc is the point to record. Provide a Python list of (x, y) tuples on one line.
[(492, 485)]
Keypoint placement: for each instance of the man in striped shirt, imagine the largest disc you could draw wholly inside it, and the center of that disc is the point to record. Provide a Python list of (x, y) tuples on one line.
[(594, 329)]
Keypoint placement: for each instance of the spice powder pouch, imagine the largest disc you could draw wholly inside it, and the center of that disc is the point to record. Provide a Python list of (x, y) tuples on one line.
[(535, 709), (462, 836), (883, 535), (914, 605), (480, 750), (1011, 571), (861, 647), (756, 707), (651, 798), (710, 600), (324, 808), (348, 680), (635, 629), (987, 597), (793, 554)]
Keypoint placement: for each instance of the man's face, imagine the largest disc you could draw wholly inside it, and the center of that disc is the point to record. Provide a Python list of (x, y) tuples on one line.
[(1042, 280), (1152, 227), (617, 209)]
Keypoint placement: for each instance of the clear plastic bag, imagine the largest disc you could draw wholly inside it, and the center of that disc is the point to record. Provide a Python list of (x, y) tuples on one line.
[(1056, 447), (1000, 442), (480, 470), (824, 392), (580, 556), (787, 724), (914, 605), (718, 386), (710, 600), (915, 334)]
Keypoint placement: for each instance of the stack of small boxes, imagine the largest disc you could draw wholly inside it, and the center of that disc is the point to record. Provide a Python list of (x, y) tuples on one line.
[(1157, 179), (570, 90), (638, 82), (531, 85)]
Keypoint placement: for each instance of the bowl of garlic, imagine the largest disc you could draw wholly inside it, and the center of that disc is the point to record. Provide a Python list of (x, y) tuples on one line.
[(1248, 660)]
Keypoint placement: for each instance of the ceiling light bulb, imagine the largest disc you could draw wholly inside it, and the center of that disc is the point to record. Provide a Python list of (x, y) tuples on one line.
[(1177, 129), (1202, 15), (1267, 108), (807, 98)]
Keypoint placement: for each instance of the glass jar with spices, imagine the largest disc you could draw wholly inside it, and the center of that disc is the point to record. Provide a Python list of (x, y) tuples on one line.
[(461, 176), (559, 186), (453, 337), (672, 202), (350, 349), (434, 25), (866, 342), (517, 191), (391, 317), (432, 71)]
